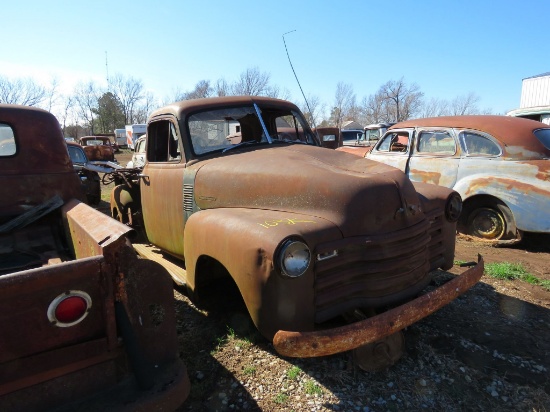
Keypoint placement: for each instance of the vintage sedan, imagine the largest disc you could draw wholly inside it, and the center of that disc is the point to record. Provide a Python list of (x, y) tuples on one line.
[(98, 148), (499, 165)]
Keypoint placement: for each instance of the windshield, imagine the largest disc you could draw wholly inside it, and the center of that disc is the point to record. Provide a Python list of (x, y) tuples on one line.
[(77, 155), (544, 137), (222, 129), (352, 135)]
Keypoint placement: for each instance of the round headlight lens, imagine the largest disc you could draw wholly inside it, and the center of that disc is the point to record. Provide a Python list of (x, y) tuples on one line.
[(294, 258), (453, 208)]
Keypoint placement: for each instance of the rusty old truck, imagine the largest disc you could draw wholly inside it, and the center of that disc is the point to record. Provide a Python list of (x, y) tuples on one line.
[(84, 323), (239, 188)]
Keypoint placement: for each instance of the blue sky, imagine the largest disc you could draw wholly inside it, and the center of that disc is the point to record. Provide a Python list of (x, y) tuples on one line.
[(448, 48)]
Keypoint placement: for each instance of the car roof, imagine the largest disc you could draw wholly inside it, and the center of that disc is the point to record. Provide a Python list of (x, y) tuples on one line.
[(180, 109), (510, 131)]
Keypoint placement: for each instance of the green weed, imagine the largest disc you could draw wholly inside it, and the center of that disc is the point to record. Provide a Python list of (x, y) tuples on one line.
[(281, 398), (293, 373), (312, 388)]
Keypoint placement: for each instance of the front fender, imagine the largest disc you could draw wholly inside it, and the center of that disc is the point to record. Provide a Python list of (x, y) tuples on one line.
[(245, 242)]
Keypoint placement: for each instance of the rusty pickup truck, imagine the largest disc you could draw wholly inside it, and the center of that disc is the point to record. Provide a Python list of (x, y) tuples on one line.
[(308, 235), (84, 323)]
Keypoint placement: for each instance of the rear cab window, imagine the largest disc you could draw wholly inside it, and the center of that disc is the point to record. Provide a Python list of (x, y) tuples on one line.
[(7, 141)]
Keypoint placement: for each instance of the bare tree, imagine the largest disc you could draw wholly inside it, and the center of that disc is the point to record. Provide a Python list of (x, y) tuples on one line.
[(344, 104), (51, 96), (404, 101), (222, 88), (21, 91), (373, 110), (312, 110), (252, 82), (66, 110), (129, 92), (86, 97), (145, 109), (464, 104), (434, 107)]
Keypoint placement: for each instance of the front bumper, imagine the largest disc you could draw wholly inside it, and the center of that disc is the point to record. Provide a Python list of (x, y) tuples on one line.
[(352, 336)]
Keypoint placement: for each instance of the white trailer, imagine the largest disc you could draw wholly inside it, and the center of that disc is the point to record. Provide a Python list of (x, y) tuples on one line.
[(134, 132), (120, 137)]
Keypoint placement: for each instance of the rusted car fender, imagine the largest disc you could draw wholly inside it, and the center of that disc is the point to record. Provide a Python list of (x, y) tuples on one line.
[(523, 197), (245, 242)]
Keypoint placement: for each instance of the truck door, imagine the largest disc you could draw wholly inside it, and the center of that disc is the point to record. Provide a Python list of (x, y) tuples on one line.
[(435, 157), (162, 187)]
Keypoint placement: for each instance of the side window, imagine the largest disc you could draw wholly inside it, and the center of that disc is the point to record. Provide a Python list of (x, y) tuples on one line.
[(394, 142), (478, 145), (439, 142), (162, 142), (7, 141)]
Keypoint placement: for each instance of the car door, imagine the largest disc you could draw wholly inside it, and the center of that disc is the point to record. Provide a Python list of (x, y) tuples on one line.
[(162, 187), (435, 158), (394, 148)]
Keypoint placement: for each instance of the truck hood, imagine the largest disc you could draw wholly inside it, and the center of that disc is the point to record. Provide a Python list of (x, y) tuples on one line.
[(360, 196)]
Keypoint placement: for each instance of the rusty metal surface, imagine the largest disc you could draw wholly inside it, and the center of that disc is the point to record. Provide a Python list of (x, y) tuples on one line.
[(104, 151), (322, 343), (74, 250), (326, 134), (41, 167)]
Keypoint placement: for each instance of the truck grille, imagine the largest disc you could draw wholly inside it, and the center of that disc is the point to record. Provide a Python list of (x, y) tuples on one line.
[(436, 245), (371, 271)]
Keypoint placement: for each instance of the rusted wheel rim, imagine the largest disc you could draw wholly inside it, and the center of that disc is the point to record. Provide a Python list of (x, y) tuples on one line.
[(486, 223)]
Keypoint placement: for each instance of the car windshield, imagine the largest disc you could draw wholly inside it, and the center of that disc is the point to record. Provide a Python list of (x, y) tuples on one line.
[(231, 127), (352, 135), (77, 155), (544, 137)]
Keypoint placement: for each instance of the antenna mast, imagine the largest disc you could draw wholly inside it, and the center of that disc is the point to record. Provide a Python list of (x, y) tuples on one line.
[(298, 81)]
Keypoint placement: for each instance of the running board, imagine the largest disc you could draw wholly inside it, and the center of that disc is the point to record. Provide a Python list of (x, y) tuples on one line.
[(146, 251)]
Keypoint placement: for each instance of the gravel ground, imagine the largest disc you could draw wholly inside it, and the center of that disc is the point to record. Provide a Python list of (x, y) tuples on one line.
[(474, 354)]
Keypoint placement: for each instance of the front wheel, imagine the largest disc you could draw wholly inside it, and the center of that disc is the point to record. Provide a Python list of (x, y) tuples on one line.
[(491, 221)]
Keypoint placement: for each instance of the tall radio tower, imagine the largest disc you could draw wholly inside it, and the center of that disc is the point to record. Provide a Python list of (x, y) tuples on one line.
[(107, 68)]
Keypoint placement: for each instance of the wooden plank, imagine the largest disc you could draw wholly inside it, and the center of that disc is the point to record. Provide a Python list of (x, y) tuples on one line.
[(179, 274)]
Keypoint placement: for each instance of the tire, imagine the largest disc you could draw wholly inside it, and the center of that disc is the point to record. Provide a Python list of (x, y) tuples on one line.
[(491, 220)]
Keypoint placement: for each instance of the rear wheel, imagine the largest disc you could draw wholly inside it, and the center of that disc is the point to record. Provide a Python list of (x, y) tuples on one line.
[(491, 220)]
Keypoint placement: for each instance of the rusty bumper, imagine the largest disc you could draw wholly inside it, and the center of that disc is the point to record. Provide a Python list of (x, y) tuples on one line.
[(331, 341)]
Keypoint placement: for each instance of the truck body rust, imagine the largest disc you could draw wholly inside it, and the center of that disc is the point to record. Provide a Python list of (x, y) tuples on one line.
[(307, 234), (84, 322)]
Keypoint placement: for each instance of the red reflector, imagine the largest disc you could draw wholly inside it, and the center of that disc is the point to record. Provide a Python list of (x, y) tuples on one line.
[(70, 309)]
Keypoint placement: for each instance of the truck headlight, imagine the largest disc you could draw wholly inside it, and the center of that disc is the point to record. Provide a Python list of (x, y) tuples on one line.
[(294, 258), (453, 207)]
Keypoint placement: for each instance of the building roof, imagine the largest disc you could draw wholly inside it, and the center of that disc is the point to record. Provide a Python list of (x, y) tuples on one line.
[(538, 75)]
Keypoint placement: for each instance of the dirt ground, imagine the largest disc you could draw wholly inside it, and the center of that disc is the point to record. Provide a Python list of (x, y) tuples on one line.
[(488, 350)]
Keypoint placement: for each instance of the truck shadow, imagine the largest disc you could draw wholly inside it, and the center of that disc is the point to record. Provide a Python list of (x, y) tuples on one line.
[(202, 335)]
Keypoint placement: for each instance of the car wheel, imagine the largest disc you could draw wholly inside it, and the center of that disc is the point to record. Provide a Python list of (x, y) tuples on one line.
[(492, 221)]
